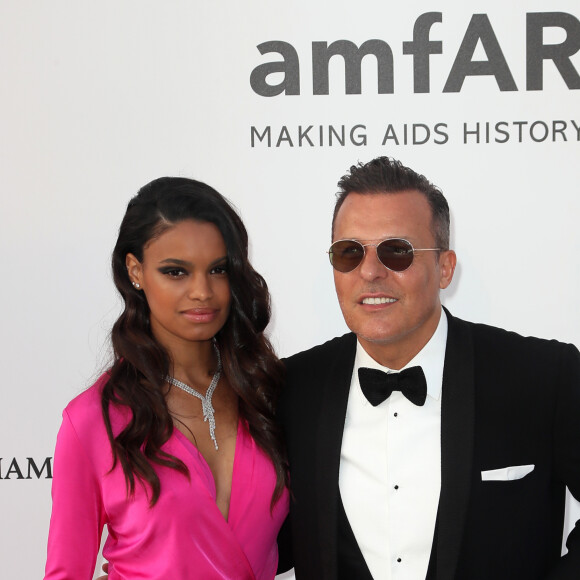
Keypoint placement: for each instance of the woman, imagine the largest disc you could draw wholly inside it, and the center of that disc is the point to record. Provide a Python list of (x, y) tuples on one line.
[(175, 448)]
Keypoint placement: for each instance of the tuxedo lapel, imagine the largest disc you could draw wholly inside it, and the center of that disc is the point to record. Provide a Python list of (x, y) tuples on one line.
[(334, 400), (457, 439)]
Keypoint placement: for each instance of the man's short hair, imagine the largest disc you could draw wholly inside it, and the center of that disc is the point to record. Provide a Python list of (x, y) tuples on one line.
[(387, 175)]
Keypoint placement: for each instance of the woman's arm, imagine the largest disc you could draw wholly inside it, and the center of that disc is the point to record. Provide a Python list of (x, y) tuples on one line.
[(78, 516)]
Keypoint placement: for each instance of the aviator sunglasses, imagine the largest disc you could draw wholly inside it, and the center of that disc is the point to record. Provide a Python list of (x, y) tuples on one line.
[(396, 254)]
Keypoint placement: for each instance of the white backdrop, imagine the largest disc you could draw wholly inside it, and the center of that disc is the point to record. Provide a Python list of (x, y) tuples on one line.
[(98, 98)]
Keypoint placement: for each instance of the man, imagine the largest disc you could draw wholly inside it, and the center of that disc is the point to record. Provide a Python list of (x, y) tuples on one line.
[(463, 482)]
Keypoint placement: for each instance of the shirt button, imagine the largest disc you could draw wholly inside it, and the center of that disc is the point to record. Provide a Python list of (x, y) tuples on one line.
[(396, 487), (399, 560), (396, 414)]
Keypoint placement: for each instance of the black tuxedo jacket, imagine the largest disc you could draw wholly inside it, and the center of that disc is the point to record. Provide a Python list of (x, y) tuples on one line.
[(506, 401)]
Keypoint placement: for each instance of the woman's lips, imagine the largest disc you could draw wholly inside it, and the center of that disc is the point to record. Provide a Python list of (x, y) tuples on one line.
[(200, 315)]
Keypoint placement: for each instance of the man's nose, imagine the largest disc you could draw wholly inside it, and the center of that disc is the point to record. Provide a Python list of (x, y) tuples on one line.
[(371, 267)]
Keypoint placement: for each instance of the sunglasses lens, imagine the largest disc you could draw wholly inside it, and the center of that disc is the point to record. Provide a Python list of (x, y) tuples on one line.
[(346, 255), (395, 254)]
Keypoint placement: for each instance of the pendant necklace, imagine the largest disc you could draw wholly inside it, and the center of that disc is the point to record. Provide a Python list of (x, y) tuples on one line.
[(207, 407)]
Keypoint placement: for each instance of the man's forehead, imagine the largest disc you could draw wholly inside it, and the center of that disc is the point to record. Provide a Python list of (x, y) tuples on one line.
[(402, 201), (374, 217), (376, 208), (381, 196), (374, 241)]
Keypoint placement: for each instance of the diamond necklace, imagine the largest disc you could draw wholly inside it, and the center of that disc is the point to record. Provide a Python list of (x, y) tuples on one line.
[(207, 407)]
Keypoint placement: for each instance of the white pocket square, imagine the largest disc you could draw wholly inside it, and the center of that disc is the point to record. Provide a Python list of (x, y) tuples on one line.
[(507, 473)]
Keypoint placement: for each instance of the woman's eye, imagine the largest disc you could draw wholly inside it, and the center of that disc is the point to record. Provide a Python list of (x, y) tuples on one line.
[(174, 272), (221, 269)]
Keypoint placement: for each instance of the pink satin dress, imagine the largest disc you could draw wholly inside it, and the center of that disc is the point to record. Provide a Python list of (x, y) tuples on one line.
[(184, 536)]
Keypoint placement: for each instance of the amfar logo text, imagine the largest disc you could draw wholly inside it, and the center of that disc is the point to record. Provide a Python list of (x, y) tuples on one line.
[(29, 469), (421, 48)]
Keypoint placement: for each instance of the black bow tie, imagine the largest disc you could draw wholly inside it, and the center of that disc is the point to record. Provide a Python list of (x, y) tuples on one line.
[(377, 386)]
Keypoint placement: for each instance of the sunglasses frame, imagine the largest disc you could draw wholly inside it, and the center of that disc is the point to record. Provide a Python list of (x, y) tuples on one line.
[(364, 247)]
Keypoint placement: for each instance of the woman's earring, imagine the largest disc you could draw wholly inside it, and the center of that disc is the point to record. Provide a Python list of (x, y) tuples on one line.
[(136, 285)]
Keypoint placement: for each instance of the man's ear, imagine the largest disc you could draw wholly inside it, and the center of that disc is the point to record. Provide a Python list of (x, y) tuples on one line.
[(447, 263)]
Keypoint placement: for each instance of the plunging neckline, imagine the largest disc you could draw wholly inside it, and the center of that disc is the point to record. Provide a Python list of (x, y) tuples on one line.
[(196, 453)]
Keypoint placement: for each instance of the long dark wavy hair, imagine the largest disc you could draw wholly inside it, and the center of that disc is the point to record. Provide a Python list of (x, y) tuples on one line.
[(141, 362)]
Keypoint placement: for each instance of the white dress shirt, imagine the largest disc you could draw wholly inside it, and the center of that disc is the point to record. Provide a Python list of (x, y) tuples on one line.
[(390, 468)]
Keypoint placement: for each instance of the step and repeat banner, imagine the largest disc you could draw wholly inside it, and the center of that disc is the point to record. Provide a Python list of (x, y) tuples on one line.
[(270, 103)]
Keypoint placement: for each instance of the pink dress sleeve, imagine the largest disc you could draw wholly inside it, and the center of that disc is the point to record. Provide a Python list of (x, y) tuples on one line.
[(77, 517)]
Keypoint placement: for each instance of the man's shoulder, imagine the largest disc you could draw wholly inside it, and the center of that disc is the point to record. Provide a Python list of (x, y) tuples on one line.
[(316, 354), (308, 373), (496, 338)]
